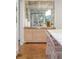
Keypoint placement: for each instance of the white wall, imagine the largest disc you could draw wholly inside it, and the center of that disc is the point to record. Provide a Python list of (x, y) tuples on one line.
[(16, 39), (22, 18), (17, 28), (21, 29), (58, 14)]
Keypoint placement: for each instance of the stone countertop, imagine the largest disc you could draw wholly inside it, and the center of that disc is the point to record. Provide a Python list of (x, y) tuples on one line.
[(57, 34)]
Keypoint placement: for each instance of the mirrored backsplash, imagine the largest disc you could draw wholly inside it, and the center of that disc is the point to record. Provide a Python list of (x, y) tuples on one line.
[(39, 13)]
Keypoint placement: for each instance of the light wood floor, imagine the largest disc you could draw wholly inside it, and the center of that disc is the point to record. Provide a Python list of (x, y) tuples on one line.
[(33, 51)]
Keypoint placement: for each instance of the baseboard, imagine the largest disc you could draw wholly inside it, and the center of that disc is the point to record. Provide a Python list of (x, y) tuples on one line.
[(18, 55), (35, 43)]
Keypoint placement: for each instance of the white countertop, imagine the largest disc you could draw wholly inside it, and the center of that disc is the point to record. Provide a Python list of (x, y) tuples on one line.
[(57, 34)]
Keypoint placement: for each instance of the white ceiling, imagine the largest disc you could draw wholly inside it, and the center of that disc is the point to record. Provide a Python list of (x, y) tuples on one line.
[(39, 4), (38, 0)]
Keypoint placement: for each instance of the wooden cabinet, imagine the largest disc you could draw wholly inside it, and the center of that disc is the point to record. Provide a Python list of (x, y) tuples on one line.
[(34, 35)]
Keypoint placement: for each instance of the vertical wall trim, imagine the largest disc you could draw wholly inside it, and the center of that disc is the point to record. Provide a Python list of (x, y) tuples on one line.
[(19, 26)]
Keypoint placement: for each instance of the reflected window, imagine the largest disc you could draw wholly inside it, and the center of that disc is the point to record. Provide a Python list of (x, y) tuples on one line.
[(40, 13)]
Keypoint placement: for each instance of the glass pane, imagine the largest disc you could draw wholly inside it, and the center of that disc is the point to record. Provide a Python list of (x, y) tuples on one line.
[(40, 13)]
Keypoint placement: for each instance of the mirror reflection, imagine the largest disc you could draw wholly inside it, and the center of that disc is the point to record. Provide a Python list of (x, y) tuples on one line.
[(39, 14)]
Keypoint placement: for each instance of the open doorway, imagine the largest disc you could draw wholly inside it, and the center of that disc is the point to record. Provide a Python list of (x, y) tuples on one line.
[(40, 29)]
